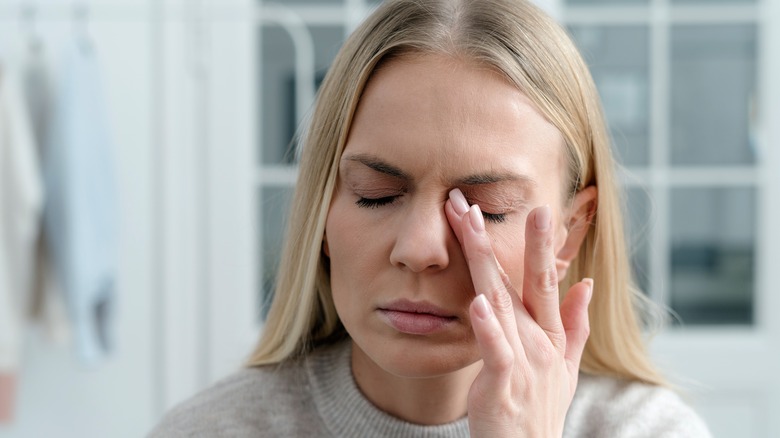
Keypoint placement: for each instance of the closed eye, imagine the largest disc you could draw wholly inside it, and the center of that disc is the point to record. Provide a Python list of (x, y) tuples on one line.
[(363, 202), (495, 218), (375, 202)]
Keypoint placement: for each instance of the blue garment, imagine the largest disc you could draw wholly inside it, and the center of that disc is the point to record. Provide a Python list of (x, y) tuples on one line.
[(80, 213)]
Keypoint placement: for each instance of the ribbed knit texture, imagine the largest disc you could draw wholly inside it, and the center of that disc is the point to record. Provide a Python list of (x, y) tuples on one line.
[(347, 413), (318, 397)]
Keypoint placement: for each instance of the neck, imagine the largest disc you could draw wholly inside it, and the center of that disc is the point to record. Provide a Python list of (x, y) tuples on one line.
[(420, 400)]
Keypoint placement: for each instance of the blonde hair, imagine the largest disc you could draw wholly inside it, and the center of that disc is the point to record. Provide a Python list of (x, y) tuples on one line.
[(535, 54)]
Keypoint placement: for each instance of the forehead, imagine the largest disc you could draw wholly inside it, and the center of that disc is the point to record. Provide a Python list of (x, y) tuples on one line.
[(449, 117)]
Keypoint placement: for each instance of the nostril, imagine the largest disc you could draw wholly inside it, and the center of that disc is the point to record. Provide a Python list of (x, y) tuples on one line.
[(417, 255)]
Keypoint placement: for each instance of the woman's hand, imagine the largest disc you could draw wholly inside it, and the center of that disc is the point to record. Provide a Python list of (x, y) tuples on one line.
[(530, 343)]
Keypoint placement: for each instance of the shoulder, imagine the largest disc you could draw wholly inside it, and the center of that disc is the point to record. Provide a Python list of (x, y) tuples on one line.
[(249, 402), (606, 406)]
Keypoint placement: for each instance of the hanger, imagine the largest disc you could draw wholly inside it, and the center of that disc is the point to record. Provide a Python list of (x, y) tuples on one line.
[(80, 21), (28, 15)]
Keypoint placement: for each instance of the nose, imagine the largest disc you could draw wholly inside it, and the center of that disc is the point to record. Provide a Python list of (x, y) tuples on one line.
[(423, 239)]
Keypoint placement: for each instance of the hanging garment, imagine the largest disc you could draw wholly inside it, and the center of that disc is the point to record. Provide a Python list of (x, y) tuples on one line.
[(21, 200), (47, 308), (80, 217)]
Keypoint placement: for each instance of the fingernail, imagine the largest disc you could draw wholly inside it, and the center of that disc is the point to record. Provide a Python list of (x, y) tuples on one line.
[(477, 221), (589, 282), (543, 218), (459, 202), (482, 307)]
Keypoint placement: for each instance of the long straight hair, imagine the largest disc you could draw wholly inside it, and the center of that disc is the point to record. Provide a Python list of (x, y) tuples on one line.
[(536, 55)]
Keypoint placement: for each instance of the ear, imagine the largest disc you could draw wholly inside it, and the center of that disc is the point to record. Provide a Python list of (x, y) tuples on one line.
[(577, 225)]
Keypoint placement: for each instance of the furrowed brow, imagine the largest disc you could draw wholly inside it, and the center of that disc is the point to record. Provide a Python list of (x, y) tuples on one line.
[(378, 165), (492, 178)]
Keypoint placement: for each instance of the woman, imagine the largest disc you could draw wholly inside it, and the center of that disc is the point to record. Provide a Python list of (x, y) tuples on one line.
[(456, 184)]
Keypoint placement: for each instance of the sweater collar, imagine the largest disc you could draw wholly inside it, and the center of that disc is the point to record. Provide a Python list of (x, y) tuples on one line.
[(345, 410)]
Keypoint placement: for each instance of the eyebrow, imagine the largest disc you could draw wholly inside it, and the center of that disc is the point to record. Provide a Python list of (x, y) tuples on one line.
[(379, 165), (386, 168), (492, 178)]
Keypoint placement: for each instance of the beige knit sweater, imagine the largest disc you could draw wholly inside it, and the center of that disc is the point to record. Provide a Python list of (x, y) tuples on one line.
[(317, 397)]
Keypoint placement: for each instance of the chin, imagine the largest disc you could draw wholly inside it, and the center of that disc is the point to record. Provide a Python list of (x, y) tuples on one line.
[(418, 358)]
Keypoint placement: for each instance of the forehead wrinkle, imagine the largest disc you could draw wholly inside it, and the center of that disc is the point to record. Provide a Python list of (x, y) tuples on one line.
[(504, 189), (502, 198)]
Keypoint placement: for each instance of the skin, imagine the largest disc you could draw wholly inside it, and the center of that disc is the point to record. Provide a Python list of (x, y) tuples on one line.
[(451, 193)]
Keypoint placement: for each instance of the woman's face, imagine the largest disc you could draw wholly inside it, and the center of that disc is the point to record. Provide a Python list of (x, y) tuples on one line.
[(425, 125)]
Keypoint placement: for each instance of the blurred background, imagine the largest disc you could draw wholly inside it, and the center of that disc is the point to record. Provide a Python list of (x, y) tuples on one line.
[(188, 109)]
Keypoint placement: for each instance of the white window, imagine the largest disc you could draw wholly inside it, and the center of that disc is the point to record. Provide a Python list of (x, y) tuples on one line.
[(687, 91)]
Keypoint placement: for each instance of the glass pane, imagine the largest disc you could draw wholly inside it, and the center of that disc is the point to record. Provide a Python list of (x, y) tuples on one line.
[(274, 205), (713, 250), (607, 2), (277, 64), (618, 59), (302, 2), (639, 220), (713, 82), (712, 2)]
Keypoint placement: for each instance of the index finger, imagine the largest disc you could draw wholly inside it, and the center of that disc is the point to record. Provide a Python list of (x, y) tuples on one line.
[(486, 274)]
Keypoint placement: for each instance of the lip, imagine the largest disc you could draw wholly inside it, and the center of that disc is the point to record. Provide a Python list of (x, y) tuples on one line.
[(416, 317)]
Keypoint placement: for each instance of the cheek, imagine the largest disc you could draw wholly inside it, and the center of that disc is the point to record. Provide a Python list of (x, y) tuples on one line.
[(354, 258), (509, 248), (340, 246), (341, 234), (561, 233)]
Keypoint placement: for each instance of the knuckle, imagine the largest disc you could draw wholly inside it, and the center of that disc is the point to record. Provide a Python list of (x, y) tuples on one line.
[(501, 299), (546, 354), (504, 278), (547, 282), (580, 338), (558, 340), (479, 251), (505, 362), (508, 410), (543, 243), (493, 338), (586, 331)]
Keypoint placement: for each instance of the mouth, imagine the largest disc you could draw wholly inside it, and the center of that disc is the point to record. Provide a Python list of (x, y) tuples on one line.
[(416, 318)]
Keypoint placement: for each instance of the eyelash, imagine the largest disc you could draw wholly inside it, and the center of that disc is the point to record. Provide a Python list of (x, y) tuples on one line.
[(375, 202), (495, 218), (372, 203)]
